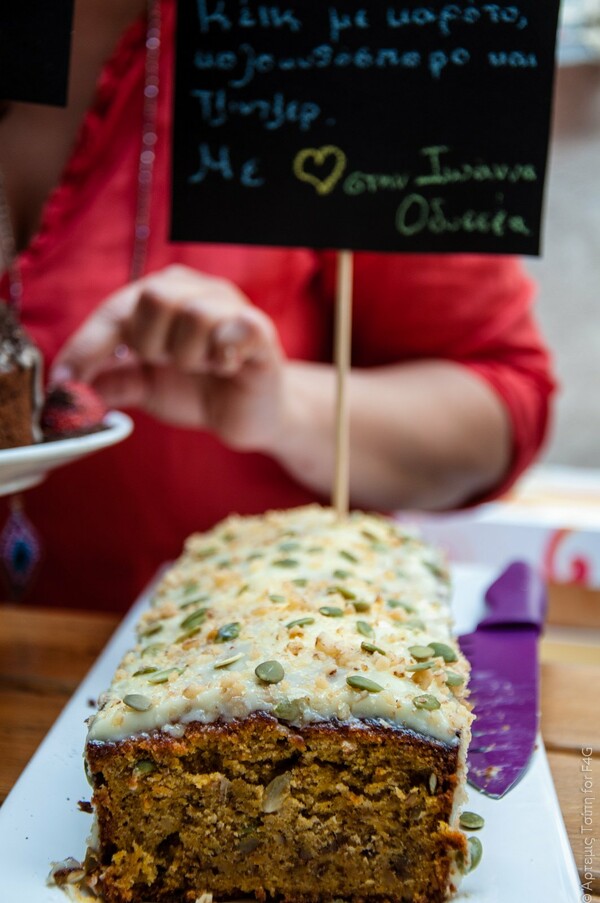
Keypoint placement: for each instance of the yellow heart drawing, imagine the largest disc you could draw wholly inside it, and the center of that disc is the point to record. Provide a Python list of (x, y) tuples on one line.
[(320, 156)]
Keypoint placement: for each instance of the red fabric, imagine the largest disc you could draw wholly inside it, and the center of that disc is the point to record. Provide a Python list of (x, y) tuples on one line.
[(107, 522)]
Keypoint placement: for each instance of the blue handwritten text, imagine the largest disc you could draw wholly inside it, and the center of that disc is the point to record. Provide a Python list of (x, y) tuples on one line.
[(220, 163), (217, 108), (261, 16)]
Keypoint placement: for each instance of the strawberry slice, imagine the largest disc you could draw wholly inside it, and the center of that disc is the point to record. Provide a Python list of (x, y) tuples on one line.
[(72, 409)]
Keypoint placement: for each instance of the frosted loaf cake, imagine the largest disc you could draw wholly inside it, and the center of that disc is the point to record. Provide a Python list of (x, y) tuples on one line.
[(290, 725)]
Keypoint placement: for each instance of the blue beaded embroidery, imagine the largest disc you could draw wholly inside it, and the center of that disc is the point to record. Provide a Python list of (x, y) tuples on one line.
[(19, 550)]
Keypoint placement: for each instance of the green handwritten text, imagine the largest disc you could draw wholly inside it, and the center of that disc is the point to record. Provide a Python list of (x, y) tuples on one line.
[(417, 214), (372, 182), (440, 173)]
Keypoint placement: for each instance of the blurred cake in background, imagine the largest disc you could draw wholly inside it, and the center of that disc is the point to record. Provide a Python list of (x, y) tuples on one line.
[(27, 416), (20, 384)]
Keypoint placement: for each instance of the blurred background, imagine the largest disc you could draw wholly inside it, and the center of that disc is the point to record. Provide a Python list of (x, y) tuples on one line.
[(569, 271), (552, 517)]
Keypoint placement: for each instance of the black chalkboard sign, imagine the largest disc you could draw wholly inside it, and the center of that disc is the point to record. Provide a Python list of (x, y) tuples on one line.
[(379, 125), (35, 43)]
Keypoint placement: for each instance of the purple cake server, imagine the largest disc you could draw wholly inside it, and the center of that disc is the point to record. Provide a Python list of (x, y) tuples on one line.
[(505, 679)]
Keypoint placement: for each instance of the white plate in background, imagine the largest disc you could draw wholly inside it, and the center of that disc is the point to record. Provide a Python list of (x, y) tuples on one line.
[(26, 466)]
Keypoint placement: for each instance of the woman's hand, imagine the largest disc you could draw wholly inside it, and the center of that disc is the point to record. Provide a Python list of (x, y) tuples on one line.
[(191, 350), (187, 348)]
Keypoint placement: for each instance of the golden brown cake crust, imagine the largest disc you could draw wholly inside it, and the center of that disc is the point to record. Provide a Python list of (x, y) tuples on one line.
[(354, 811)]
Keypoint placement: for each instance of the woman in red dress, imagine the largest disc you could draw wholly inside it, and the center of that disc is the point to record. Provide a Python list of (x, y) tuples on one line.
[(227, 371)]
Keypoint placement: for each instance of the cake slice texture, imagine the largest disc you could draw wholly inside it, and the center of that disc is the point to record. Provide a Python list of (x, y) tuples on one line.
[(20, 383), (291, 725)]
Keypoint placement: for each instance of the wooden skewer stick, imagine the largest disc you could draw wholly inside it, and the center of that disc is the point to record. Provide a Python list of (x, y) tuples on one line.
[(343, 341)]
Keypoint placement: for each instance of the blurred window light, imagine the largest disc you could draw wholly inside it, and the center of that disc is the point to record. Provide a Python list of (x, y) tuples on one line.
[(579, 32)]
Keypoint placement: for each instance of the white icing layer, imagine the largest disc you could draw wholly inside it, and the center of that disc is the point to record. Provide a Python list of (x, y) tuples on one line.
[(230, 603)]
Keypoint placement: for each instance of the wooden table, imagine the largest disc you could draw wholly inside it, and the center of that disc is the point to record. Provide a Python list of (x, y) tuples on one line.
[(45, 654)]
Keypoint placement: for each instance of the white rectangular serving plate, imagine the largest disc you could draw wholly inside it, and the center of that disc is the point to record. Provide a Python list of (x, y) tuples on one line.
[(526, 853)]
